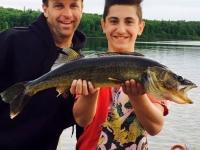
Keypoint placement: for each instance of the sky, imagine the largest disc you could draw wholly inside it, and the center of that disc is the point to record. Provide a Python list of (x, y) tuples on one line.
[(173, 10)]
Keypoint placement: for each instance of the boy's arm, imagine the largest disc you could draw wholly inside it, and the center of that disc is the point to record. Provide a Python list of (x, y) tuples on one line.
[(149, 114), (85, 106)]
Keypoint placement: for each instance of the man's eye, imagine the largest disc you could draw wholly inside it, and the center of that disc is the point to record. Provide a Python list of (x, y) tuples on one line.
[(58, 6), (74, 5)]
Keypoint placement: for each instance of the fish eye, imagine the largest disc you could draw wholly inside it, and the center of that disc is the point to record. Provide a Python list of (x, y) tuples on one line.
[(180, 78)]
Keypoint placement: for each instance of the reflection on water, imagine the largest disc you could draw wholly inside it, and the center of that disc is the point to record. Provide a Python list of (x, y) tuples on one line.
[(96, 44), (174, 43), (100, 44), (182, 124)]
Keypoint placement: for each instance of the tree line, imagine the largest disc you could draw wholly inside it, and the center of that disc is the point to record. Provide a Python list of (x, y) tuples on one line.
[(90, 25)]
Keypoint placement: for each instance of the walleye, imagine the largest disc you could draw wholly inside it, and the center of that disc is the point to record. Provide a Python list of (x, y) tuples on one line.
[(107, 70)]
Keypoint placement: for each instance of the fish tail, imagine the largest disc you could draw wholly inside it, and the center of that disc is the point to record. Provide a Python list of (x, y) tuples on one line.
[(16, 97)]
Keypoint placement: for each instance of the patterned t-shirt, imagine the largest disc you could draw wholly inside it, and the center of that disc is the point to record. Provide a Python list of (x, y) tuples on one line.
[(115, 125), (122, 130)]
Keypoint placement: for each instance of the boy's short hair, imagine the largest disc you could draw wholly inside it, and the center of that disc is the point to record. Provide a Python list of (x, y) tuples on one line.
[(109, 3), (46, 2)]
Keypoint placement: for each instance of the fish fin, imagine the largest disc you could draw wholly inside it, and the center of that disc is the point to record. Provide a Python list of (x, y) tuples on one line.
[(16, 97), (68, 55), (62, 91), (119, 53), (71, 54), (116, 80)]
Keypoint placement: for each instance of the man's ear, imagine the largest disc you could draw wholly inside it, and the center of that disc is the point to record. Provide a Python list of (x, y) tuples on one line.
[(44, 7), (82, 7), (141, 27), (103, 25)]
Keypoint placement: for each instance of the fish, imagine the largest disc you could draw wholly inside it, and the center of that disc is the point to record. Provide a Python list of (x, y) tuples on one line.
[(109, 69)]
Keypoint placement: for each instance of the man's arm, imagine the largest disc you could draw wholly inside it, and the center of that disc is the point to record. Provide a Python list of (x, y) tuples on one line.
[(85, 106)]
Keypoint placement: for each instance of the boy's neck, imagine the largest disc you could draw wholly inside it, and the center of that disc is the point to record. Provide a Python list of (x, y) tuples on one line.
[(120, 50)]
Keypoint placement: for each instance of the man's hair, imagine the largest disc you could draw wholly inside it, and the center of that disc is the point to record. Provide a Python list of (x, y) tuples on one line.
[(136, 3), (46, 2)]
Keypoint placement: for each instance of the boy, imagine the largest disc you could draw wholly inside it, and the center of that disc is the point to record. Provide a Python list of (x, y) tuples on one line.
[(123, 116)]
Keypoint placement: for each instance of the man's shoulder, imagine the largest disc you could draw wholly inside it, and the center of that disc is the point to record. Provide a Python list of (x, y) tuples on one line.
[(15, 32)]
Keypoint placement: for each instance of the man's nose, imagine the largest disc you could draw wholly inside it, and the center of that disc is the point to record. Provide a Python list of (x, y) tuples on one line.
[(67, 12)]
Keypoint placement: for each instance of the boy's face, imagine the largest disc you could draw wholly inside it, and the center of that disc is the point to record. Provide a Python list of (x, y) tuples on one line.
[(122, 27), (63, 16)]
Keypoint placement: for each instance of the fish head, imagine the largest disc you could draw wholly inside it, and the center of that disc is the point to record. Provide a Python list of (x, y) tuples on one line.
[(162, 83)]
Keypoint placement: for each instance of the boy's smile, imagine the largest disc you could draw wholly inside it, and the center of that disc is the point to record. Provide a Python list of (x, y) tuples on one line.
[(121, 29)]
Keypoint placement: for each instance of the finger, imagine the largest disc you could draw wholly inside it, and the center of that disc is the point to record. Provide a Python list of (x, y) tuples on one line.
[(91, 88), (126, 87), (123, 87), (73, 87), (140, 88), (133, 86), (79, 86), (84, 88)]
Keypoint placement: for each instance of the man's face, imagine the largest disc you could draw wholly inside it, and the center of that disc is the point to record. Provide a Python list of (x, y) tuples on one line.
[(63, 17), (122, 27)]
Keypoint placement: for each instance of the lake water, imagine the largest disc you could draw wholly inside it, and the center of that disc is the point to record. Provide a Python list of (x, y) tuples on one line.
[(182, 124)]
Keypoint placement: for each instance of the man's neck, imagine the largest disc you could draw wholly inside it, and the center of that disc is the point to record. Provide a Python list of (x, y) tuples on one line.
[(64, 43)]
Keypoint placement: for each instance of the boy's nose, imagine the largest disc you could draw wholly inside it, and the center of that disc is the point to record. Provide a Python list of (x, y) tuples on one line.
[(121, 28)]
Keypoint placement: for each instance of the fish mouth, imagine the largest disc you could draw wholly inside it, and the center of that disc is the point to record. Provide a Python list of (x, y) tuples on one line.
[(180, 96), (185, 88), (182, 90), (161, 83)]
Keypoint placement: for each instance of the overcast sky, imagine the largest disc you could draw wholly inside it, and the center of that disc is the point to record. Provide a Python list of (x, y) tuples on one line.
[(188, 10)]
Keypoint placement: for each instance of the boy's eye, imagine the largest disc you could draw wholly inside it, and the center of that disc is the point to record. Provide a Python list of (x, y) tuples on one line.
[(129, 21), (114, 21)]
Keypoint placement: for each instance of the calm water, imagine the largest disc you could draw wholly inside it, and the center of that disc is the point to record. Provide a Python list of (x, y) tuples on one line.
[(182, 124)]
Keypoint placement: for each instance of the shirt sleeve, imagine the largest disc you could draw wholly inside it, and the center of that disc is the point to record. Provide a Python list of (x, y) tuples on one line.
[(161, 102)]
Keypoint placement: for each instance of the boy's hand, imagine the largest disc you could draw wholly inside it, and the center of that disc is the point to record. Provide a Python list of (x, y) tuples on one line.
[(133, 89), (82, 87)]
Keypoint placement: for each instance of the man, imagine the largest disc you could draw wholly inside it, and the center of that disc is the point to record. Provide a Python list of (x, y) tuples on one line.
[(26, 54)]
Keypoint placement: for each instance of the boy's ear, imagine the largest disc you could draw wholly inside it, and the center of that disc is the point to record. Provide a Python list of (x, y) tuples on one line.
[(141, 27), (103, 25)]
